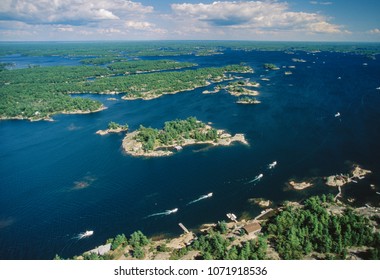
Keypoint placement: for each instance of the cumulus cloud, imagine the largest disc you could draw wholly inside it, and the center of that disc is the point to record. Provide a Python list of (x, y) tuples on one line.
[(374, 31), (74, 12), (256, 16)]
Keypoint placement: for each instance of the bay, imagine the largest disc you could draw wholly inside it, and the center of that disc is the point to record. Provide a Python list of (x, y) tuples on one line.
[(59, 178)]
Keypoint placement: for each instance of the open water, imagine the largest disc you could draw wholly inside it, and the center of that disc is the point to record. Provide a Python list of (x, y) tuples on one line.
[(58, 179)]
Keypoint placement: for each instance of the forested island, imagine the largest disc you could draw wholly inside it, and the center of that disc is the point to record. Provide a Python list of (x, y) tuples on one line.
[(37, 93), (319, 228), (151, 142), (113, 127), (247, 100)]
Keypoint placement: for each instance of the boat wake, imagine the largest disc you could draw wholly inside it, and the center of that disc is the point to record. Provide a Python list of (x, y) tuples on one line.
[(200, 198), (165, 213), (256, 179)]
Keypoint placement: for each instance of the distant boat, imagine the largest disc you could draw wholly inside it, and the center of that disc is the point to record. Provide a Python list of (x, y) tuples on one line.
[(339, 78), (337, 114), (87, 233), (365, 64), (378, 88), (172, 211), (272, 165)]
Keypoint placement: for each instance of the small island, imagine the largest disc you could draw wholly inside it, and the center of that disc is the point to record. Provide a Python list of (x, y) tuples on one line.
[(248, 100), (113, 128), (341, 179), (300, 185), (238, 88), (261, 202), (270, 66), (150, 142)]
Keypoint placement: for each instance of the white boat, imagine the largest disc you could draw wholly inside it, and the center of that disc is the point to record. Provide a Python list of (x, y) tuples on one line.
[(337, 114), (87, 233), (272, 165), (173, 211), (378, 88), (209, 195)]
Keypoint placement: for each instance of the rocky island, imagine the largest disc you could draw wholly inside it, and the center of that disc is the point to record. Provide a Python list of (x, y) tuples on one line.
[(113, 128), (247, 100), (150, 142), (341, 179)]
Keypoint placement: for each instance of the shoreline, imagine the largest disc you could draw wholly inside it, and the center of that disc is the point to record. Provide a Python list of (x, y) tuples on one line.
[(134, 147), (49, 117)]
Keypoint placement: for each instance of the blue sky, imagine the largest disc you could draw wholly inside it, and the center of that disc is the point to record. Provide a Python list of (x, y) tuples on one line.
[(276, 20)]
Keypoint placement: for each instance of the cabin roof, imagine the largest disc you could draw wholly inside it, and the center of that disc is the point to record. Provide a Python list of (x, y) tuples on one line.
[(252, 228)]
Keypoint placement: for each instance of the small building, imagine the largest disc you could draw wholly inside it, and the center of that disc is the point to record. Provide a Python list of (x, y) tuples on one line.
[(252, 228)]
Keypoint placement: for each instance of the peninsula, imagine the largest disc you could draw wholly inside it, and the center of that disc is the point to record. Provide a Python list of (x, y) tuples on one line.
[(150, 142)]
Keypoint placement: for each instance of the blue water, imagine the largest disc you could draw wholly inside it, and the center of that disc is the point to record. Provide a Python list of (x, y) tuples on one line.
[(59, 178)]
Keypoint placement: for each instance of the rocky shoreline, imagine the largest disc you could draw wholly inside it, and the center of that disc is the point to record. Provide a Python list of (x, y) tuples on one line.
[(135, 148)]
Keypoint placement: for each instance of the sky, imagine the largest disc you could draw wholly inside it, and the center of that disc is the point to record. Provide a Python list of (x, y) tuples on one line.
[(264, 20)]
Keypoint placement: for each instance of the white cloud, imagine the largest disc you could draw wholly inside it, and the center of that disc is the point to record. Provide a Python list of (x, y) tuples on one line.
[(374, 31), (255, 16), (321, 3), (139, 25), (74, 12)]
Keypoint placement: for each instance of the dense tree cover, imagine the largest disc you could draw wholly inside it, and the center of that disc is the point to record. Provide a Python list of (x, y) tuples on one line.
[(136, 66), (37, 93), (166, 48), (40, 105), (155, 84), (51, 75), (270, 66), (215, 246), (114, 125), (102, 60), (299, 231), (175, 132)]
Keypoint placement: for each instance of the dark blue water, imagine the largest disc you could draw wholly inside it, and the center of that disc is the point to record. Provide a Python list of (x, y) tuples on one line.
[(59, 178)]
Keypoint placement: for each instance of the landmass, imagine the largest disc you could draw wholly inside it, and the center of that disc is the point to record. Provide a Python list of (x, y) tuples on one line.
[(149, 142), (262, 202), (113, 128), (238, 88), (333, 230), (340, 180), (247, 100), (300, 185), (271, 66)]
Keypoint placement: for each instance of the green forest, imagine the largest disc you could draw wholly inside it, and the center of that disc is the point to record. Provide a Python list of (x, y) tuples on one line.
[(38, 92), (174, 132), (294, 232)]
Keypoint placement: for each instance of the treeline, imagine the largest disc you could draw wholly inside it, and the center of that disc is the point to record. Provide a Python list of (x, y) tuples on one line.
[(37, 105), (136, 66), (175, 48), (114, 125), (174, 132), (102, 60), (298, 231), (22, 91)]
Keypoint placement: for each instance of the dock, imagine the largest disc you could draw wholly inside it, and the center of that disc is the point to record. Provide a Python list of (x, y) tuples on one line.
[(263, 213), (184, 228)]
